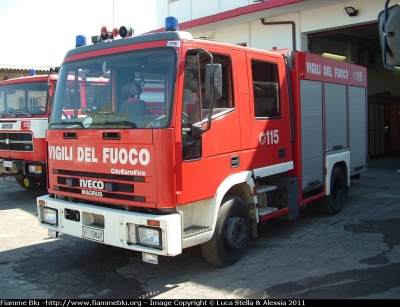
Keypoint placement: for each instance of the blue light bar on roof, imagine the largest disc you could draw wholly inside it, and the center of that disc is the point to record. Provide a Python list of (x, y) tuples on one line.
[(171, 24), (80, 41)]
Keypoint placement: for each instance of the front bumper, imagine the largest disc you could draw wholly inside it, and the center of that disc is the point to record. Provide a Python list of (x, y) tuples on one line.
[(21, 168), (111, 226)]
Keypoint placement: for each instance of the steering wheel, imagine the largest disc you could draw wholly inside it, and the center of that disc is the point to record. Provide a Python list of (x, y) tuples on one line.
[(148, 109)]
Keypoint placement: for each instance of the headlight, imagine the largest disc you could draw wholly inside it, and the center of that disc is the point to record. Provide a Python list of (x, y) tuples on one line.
[(35, 169), (49, 215), (149, 236)]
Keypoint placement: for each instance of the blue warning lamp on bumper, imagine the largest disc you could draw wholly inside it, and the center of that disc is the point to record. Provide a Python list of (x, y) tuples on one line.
[(171, 24)]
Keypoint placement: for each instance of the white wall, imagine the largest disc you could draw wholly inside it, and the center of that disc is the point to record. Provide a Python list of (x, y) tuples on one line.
[(255, 34), (186, 10), (227, 5), (326, 18), (204, 7)]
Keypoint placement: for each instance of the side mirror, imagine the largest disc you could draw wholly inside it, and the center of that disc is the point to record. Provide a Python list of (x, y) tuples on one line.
[(214, 80), (389, 32)]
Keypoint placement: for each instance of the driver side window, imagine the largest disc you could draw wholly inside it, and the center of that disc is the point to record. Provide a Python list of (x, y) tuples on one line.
[(191, 95)]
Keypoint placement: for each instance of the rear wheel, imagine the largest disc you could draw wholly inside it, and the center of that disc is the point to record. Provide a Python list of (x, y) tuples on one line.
[(231, 234), (333, 203)]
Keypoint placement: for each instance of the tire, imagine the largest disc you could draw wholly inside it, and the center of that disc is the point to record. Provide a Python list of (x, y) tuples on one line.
[(29, 184), (333, 203), (231, 234)]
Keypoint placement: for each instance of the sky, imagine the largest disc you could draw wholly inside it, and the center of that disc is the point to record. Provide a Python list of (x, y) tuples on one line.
[(40, 32)]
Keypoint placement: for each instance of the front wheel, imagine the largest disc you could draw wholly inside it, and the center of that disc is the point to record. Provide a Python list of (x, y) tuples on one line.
[(231, 234), (29, 184), (333, 203)]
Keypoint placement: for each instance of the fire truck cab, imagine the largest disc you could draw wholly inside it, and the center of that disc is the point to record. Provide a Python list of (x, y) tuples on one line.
[(24, 110), (196, 142)]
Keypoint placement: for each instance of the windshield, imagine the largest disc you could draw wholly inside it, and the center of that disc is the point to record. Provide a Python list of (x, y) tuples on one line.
[(132, 90), (23, 99)]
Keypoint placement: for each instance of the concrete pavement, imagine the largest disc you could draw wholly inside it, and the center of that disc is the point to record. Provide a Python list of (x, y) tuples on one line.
[(355, 254)]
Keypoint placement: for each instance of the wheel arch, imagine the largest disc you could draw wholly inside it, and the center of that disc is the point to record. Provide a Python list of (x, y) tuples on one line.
[(341, 160), (240, 185)]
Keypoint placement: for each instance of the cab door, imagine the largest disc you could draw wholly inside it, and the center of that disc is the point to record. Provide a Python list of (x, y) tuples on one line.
[(206, 161), (270, 140)]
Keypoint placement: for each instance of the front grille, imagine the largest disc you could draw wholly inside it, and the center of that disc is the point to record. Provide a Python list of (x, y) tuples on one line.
[(104, 194), (120, 187), (99, 176), (16, 141)]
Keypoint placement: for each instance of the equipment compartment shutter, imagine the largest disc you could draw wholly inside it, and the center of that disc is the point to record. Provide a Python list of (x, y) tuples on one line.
[(358, 135), (336, 116), (311, 134)]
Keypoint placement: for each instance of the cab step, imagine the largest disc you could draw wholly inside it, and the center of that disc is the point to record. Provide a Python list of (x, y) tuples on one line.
[(265, 188), (194, 231), (266, 210)]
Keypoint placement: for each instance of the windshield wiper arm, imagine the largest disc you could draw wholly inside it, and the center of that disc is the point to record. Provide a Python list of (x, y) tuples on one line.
[(69, 123), (120, 122), (7, 113), (23, 112)]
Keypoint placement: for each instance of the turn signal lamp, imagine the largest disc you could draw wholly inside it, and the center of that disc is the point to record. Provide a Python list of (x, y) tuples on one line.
[(35, 169), (154, 223), (171, 24)]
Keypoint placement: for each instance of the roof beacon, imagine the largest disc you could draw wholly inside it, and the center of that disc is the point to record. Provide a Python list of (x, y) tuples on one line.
[(171, 24), (104, 34), (80, 40)]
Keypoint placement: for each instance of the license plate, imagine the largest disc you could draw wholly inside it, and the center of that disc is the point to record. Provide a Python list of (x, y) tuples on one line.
[(93, 234), (7, 163)]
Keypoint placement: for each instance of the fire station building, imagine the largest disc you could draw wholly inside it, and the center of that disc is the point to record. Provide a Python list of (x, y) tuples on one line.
[(345, 30)]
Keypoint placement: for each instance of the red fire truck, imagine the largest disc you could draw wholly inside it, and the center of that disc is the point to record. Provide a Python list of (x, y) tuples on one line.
[(24, 112), (196, 142), (25, 105)]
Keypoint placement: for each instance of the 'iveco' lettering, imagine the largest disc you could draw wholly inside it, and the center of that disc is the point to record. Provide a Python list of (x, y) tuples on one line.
[(123, 156), (6, 126), (91, 184)]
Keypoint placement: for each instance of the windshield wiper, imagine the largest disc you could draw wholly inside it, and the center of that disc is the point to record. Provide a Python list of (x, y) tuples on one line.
[(23, 112), (69, 123), (120, 122), (7, 113)]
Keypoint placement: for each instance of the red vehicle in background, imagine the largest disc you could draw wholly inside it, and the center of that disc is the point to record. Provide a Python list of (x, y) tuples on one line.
[(24, 111), (25, 105)]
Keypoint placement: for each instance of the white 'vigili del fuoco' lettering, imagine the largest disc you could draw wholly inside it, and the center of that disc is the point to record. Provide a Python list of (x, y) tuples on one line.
[(111, 155)]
